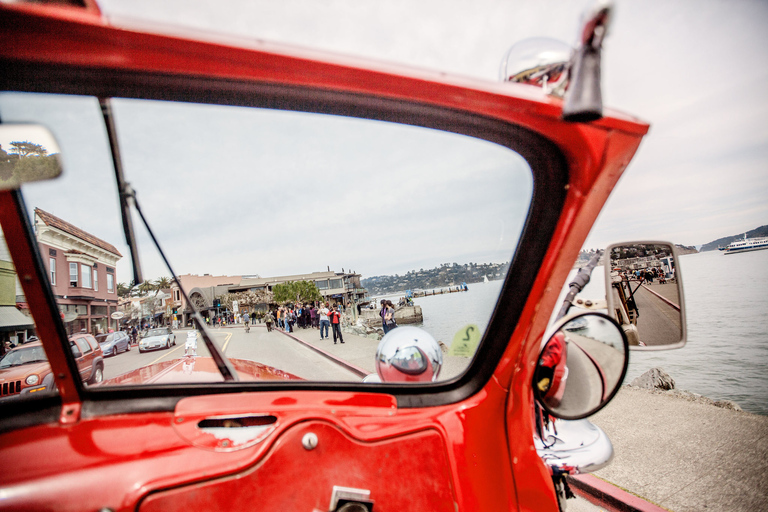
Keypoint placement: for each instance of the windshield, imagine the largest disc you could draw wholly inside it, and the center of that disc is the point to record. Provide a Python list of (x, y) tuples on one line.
[(22, 356), (105, 338), (301, 238)]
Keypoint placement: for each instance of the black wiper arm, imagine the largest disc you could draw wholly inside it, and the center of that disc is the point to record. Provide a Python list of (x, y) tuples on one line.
[(124, 189), (128, 198), (223, 364)]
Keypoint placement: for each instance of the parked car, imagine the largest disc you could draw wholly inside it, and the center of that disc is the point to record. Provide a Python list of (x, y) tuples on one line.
[(160, 337), (114, 342), (288, 159), (25, 369)]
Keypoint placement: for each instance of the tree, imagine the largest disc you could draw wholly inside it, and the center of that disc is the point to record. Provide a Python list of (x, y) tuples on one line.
[(296, 291), (162, 283), (145, 288), (125, 290), (26, 148)]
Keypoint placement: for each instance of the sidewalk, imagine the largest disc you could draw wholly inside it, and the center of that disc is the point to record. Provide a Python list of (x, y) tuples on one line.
[(361, 352), (681, 455)]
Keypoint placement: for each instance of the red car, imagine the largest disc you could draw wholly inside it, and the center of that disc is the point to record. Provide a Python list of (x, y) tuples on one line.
[(25, 369), (254, 165)]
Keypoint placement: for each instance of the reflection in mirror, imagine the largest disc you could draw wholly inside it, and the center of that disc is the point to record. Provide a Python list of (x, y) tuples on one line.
[(270, 217), (408, 354), (28, 152), (644, 294), (581, 366)]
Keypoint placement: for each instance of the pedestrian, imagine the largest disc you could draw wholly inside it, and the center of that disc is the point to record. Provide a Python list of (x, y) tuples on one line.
[(268, 319), (335, 317), (324, 321), (382, 314), (313, 317), (389, 316)]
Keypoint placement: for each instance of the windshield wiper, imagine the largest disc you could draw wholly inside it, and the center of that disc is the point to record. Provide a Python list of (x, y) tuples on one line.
[(128, 198)]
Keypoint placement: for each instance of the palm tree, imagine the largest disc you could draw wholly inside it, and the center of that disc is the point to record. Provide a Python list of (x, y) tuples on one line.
[(163, 283), (145, 288)]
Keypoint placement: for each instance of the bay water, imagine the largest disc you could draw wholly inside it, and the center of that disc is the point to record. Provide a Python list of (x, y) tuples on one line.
[(726, 298)]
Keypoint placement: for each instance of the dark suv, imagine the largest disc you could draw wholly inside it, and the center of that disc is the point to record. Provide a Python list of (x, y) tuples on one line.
[(25, 369)]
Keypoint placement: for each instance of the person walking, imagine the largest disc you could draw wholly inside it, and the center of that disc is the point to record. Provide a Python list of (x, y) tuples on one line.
[(335, 317), (382, 314), (313, 317), (389, 316), (268, 319), (324, 322)]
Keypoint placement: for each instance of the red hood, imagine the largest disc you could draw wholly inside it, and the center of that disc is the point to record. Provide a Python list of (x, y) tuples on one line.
[(193, 369)]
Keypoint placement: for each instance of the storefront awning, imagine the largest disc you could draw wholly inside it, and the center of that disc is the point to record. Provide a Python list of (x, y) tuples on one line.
[(11, 319)]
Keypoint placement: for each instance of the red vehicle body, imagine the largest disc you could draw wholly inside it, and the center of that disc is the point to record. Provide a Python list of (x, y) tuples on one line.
[(465, 445)]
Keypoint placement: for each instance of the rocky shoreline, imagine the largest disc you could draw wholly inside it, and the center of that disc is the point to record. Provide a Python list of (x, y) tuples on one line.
[(659, 382)]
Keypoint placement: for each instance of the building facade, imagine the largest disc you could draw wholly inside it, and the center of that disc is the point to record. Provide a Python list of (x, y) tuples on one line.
[(82, 272)]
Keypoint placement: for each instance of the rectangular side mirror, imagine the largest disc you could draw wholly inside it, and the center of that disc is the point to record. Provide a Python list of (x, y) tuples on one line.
[(644, 292)]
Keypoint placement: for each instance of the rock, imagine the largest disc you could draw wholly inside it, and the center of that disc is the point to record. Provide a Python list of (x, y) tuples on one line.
[(727, 404), (655, 378)]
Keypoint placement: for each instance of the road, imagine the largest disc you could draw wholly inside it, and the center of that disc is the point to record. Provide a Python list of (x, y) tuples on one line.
[(273, 349)]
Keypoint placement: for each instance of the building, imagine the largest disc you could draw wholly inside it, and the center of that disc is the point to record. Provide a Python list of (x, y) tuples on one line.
[(81, 269), (15, 326), (202, 290), (335, 287)]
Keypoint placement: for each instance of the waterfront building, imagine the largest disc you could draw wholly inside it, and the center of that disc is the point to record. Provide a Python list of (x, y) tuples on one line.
[(81, 269), (335, 287)]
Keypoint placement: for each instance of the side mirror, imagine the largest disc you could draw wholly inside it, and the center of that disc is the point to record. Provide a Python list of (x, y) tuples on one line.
[(581, 366), (28, 152), (644, 293)]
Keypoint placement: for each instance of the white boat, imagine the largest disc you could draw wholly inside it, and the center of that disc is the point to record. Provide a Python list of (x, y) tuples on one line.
[(747, 244)]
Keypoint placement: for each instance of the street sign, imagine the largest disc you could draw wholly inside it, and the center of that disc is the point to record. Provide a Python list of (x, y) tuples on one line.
[(117, 315)]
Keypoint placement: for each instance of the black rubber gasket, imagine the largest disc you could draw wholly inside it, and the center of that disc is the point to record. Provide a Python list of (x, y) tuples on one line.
[(550, 177)]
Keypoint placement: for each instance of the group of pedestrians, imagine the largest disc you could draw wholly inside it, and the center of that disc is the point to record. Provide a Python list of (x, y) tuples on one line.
[(330, 318), (306, 316)]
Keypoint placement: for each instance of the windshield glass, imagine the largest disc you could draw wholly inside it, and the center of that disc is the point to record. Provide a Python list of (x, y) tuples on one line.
[(23, 356), (300, 237)]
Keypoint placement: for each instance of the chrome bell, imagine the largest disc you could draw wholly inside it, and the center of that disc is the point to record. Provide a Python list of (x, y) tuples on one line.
[(408, 354)]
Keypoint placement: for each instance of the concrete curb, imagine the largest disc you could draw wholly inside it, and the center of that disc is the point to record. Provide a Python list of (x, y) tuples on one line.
[(601, 493), (662, 298), (349, 366)]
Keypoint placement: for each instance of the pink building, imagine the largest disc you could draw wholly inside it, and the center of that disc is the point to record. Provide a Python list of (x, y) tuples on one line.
[(81, 268)]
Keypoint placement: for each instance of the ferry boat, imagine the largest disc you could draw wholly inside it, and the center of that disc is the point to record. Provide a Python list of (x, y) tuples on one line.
[(747, 244)]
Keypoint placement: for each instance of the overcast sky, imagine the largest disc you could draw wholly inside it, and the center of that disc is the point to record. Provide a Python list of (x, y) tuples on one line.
[(695, 70)]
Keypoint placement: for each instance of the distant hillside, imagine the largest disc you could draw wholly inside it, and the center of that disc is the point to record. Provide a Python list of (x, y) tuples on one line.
[(445, 275), (712, 246)]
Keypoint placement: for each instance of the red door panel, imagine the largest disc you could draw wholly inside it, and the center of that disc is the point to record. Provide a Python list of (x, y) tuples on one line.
[(405, 473)]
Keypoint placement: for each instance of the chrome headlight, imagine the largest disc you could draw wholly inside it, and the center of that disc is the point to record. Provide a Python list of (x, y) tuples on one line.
[(32, 380)]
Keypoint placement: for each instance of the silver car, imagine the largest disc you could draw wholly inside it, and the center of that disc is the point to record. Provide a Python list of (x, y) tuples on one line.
[(114, 342), (161, 337)]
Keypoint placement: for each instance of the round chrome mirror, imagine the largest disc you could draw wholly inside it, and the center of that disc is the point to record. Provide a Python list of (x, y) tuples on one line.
[(581, 366), (538, 61), (408, 354)]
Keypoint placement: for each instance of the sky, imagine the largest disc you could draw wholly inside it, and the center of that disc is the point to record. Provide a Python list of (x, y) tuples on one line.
[(695, 70)]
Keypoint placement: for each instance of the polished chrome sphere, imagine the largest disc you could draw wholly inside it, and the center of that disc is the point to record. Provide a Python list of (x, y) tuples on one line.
[(408, 354)]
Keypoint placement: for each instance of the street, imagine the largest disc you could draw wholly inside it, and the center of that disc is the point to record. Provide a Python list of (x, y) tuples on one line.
[(273, 349)]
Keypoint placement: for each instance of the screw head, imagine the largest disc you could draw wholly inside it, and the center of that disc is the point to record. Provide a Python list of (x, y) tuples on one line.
[(309, 441)]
